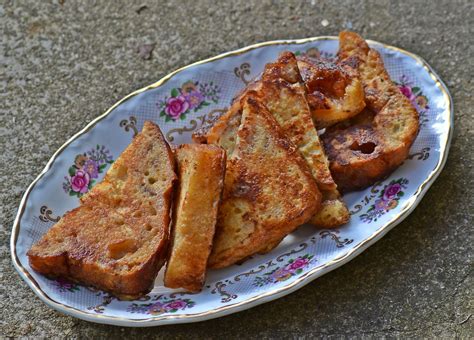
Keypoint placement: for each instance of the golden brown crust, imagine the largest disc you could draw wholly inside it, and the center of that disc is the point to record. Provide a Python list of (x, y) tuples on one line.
[(370, 149), (284, 94), (201, 178), (351, 45), (262, 172), (116, 239), (333, 212), (335, 92)]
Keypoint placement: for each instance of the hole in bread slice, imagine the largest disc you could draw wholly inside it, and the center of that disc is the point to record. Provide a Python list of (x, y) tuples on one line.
[(366, 148), (119, 249)]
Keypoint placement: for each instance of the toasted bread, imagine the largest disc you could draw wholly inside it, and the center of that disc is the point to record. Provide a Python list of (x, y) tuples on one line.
[(283, 93), (201, 178), (268, 192), (223, 129), (333, 212), (116, 240), (335, 92), (281, 89), (362, 153)]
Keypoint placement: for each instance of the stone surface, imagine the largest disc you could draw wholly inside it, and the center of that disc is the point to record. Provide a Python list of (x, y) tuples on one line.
[(64, 62)]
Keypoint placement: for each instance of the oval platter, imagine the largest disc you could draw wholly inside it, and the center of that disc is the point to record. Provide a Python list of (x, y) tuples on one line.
[(302, 257)]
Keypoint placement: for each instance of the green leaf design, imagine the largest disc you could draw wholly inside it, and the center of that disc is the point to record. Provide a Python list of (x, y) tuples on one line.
[(415, 89), (72, 171), (401, 194), (102, 167), (372, 207), (167, 119), (183, 116), (299, 271), (174, 92), (73, 193), (205, 103), (297, 53), (162, 113)]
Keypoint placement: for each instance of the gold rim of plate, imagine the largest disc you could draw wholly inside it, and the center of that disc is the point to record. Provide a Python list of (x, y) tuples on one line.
[(268, 295)]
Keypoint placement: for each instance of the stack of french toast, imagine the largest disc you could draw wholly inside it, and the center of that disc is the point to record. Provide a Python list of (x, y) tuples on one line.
[(291, 141)]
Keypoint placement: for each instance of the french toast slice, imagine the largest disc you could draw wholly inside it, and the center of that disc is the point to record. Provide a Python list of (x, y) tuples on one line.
[(116, 240), (268, 189), (201, 171), (370, 149), (335, 92), (284, 94)]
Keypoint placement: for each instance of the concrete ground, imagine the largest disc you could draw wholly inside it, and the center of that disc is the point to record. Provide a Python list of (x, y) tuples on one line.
[(64, 62)]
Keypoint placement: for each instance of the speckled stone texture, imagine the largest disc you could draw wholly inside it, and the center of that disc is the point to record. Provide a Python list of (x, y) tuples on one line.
[(62, 63)]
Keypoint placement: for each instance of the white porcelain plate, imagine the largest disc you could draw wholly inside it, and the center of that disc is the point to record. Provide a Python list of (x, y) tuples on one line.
[(202, 90)]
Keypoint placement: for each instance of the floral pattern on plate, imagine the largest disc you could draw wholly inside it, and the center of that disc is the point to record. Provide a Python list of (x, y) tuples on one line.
[(292, 268), (387, 200), (86, 169), (415, 94), (162, 304), (315, 53), (191, 96), (65, 286)]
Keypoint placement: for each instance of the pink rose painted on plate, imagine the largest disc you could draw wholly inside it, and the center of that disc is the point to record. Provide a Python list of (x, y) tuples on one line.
[(299, 263), (85, 170), (176, 106), (177, 304), (191, 96), (391, 191), (162, 304), (387, 200), (292, 268), (407, 92), (80, 181), (416, 97)]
